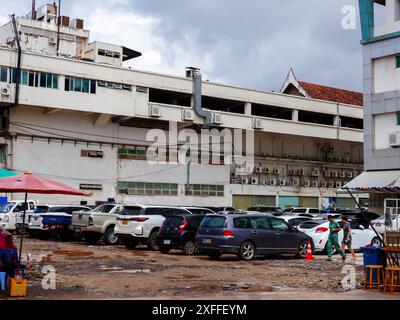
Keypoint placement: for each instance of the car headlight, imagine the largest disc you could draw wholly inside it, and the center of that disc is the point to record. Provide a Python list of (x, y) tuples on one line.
[(6, 219)]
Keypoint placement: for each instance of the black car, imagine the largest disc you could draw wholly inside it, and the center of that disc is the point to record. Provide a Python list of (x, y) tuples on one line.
[(276, 211), (179, 232)]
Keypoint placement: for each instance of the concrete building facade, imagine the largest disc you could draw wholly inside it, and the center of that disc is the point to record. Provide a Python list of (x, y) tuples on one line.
[(71, 111)]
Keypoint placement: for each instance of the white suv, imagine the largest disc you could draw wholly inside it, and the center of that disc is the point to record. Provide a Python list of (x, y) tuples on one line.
[(100, 222), (141, 224), (11, 215), (303, 212)]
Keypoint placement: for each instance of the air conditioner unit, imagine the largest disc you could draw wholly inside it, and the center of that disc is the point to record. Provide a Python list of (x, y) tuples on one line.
[(257, 124), (327, 174), (265, 182), (272, 182), (233, 175), (315, 184), (315, 172), (282, 183), (52, 40), (250, 169), (155, 111), (343, 174), (259, 169), (277, 171), (331, 184), (338, 185), (296, 182), (254, 181), (239, 169), (6, 91), (217, 119), (267, 170), (350, 175), (394, 139), (245, 181), (187, 115), (307, 183), (324, 184)]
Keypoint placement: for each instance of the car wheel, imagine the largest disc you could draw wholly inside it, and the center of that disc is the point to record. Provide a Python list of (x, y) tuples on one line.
[(189, 248), (130, 244), (247, 251), (110, 237), (302, 250), (375, 242), (215, 255), (164, 250), (92, 238), (152, 241)]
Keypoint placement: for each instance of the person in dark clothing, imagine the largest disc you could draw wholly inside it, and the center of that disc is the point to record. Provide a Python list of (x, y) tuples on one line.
[(347, 239)]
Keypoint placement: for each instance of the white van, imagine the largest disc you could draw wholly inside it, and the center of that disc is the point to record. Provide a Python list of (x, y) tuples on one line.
[(11, 215)]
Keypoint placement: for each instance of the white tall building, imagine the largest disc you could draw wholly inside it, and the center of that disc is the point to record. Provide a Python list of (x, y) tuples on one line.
[(71, 111)]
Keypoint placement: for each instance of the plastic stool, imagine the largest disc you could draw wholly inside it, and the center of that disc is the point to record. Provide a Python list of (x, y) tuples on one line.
[(3, 280), (392, 282), (369, 281)]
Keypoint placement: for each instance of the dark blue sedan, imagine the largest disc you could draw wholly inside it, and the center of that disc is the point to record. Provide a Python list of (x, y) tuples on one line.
[(249, 235)]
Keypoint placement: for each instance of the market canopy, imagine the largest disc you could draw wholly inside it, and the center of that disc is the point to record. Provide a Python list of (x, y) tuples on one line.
[(6, 173), (375, 182)]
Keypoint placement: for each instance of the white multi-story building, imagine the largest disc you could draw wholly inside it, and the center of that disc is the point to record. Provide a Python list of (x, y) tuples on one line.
[(71, 111), (380, 22)]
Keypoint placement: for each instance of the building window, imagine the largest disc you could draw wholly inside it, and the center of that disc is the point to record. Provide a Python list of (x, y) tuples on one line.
[(3, 74), (96, 187), (48, 80), (398, 118), (148, 189), (108, 53), (39, 79), (398, 61), (80, 85), (134, 153), (114, 85), (204, 190), (92, 154)]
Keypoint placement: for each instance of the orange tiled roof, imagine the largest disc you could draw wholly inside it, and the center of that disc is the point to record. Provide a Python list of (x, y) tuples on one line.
[(316, 91)]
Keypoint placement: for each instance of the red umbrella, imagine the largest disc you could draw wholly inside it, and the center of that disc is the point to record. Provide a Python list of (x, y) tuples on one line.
[(28, 183)]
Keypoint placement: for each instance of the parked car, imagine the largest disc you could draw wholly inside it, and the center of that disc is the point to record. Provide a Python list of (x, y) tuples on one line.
[(56, 221), (248, 236), (98, 223), (318, 230), (386, 222), (304, 212), (179, 232), (141, 224), (36, 225), (276, 211), (11, 215), (221, 209)]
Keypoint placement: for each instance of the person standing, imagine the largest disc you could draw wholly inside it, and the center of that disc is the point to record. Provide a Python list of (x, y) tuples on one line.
[(347, 237), (333, 239)]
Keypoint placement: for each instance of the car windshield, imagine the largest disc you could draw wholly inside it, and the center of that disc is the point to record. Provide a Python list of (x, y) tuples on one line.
[(41, 209), (213, 222), (7, 208)]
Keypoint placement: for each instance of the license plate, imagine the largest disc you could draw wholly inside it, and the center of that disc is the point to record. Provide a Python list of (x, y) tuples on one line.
[(207, 241), (167, 241), (53, 227), (125, 222), (77, 230), (36, 219)]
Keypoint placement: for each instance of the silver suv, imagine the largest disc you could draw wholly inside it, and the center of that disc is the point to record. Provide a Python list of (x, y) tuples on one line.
[(98, 223)]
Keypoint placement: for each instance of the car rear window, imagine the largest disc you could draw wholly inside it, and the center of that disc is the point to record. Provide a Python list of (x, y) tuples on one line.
[(173, 222), (41, 209), (213, 222), (311, 224), (241, 223), (131, 211), (104, 208)]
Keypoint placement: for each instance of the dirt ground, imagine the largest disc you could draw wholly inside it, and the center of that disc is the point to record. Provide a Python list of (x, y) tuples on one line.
[(114, 272)]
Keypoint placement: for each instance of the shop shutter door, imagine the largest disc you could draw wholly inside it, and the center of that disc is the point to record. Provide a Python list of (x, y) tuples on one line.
[(308, 202), (264, 201), (242, 202)]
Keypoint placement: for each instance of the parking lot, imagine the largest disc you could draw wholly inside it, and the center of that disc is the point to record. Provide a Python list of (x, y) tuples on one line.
[(114, 272)]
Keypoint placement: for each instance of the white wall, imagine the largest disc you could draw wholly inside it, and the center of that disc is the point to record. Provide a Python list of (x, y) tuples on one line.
[(392, 21), (385, 124), (386, 75)]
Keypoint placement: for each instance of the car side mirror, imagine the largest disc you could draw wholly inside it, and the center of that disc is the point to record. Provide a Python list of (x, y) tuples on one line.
[(362, 227)]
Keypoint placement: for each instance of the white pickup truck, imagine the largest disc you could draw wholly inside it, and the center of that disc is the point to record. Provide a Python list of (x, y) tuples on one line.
[(11, 215), (98, 223)]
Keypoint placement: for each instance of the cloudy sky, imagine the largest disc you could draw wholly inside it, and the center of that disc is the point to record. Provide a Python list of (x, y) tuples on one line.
[(250, 43)]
